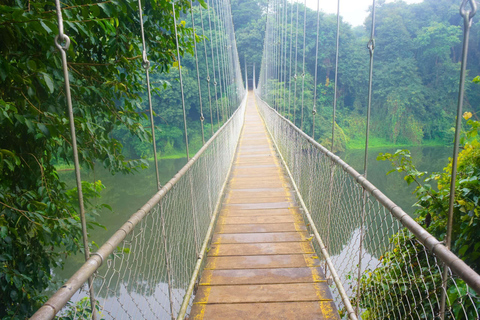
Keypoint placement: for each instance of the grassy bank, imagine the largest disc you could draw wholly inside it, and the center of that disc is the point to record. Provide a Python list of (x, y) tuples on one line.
[(382, 143), (172, 155)]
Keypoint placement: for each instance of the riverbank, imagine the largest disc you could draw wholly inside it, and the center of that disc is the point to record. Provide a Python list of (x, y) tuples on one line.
[(382, 143), (171, 156)]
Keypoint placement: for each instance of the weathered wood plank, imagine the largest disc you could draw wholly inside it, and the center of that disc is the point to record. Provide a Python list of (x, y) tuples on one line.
[(261, 263)]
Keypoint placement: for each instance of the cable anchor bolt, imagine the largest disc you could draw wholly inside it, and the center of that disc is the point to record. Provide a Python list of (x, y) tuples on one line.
[(468, 14), (371, 45), (62, 38), (145, 62)]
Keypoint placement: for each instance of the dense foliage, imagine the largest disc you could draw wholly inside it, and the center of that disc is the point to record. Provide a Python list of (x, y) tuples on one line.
[(415, 80), (38, 219), (408, 255)]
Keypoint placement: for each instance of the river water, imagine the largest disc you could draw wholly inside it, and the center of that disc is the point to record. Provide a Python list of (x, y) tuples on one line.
[(127, 193)]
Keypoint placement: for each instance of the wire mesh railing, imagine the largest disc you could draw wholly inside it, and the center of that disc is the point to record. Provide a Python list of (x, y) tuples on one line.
[(387, 265), (145, 269)]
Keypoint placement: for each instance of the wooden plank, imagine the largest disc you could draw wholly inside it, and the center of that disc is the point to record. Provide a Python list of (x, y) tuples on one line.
[(262, 276), (255, 197), (259, 227), (260, 262), (259, 212), (250, 249), (257, 219), (259, 205), (311, 310), (263, 293), (259, 237)]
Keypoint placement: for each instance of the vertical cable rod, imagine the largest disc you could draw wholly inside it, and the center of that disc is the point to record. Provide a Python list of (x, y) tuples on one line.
[(285, 49), (217, 45), (304, 54), (314, 108), (213, 61), (296, 63), (146, 66), (207, 69), (371, 48), (181, 82), (336, 76), (467, 24), (290, 62), (202, 118), (227, 58), (60, 39)]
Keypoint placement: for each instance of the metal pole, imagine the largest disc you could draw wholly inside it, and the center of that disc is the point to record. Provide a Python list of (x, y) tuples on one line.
[(314, 109), (336, 75), (181, 81), (59, 39), (146, 66), (202, 118), (467, 19), (371, 47)]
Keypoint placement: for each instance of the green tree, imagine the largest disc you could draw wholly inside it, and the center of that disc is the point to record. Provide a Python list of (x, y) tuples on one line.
[(38, 219), (433, 203)]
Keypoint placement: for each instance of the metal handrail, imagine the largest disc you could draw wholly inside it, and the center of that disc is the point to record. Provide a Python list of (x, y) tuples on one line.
[(65, 293), (458, 266)]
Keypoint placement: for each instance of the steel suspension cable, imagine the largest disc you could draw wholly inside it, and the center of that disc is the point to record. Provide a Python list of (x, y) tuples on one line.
[(336, 75), (304, 54), (62, 42), (220, 78), (213, 61), (314, 108), (202, 118), (296, 64), (224, 58), (467, 24), (208, 71), (290, 62), (146, 66), (230, 56), (275, 54), (181, 82), (280, 54), (224, 62), (227, 64), (332, 168), (272, 53), (285, 42), (371, 48)]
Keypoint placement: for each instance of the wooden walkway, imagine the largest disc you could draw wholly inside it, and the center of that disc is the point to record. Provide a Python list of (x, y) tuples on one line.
[(261, 264)]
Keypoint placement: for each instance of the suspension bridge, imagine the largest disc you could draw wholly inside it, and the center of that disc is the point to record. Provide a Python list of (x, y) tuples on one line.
[(264, 222)]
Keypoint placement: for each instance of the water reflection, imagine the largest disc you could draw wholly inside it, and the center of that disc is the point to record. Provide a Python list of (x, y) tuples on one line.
[(125, 194), (430, 159)]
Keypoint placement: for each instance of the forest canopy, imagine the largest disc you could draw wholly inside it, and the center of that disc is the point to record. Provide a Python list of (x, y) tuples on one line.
[(38, 219), (415, 78)]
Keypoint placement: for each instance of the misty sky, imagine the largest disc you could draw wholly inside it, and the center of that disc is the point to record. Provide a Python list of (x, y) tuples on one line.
[(353, 11)]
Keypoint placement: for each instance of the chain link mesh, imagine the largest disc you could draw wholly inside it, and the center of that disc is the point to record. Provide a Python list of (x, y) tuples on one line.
[(385, 270), (147, 274)]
